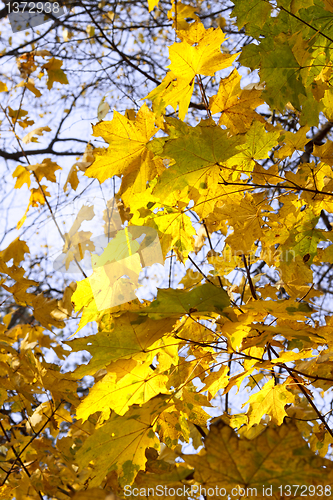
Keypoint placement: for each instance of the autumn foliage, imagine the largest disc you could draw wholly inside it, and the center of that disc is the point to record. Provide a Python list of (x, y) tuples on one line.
[(249, 193)]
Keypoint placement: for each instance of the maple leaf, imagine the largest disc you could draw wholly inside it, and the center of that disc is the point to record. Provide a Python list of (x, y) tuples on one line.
[(172, 425), (279, 70), (127, 153), (270, 400), (120, 444), (126, 383), (187, 62), (55, 73), (31, 136), (45, 169), (3, 87), (232, 462), (304, 237), (19, 288), (325, 152), (61, 385), (127, 144), (179, 13), (253, 14), (237, 107), (245, 217), (16, 251), (205, 58), (238, 330), (120, 338), (22, 177), (175, 230), (152, 4), (72, 179), (45, 311), (197, 154), (30, 86), (293, 142), (257, 145), (201, 299), (37, 197)]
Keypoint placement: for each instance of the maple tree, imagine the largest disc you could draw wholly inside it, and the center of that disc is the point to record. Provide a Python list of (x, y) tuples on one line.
[(234, 359)]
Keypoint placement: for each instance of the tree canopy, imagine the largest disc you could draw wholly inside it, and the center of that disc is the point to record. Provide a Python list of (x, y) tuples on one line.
[(205, 129)]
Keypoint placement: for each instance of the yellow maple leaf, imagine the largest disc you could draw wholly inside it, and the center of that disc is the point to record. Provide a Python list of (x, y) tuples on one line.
[(216, 381), (45, 169), (3, 87), (109, 286), (175, 230), (328, 104), (120, 444), (126, 383), (121, 337), (22, 175), (179, 12), (270, 400), (172, 424), (152, 4), (171, 92), (30, 86), (236, 331), (286, 357), (195, 34), (15, 251), (31, 136), (256, 464), (257, 145), (204, 58), (236, 105), (36, 198), (295, 276), (127, 144), (45, 311), (292, 142), (55, 73), (245, 216), (127, 154), (72, 179), (325, 152)]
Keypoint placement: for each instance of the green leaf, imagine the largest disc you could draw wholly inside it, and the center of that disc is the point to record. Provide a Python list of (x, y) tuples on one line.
[(253, 14), (203, 299), (278, 69), (195, 154), (119, 337)]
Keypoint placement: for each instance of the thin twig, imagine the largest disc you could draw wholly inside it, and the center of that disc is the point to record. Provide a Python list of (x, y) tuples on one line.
[(253, 291)]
